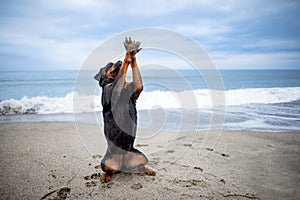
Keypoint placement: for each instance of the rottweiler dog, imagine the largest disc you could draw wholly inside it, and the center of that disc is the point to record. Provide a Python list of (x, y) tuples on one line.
[(120, 115)]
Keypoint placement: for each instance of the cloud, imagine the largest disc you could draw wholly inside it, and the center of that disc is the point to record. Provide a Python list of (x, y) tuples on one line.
[(61, 34), (204, 30), (255, 60)]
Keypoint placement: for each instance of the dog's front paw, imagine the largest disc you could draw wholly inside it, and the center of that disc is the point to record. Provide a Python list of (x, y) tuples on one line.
[(150, 172), (132, 46), (105, 178)]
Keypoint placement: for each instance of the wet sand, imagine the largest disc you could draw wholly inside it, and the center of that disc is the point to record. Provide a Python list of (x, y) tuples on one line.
[(53, 161)]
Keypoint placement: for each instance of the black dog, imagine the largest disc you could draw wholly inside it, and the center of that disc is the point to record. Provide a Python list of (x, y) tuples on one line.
[(120, 115)]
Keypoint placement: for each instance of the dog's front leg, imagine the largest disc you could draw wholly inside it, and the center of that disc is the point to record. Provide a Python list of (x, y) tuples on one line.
[(137, 79), (121, 76)]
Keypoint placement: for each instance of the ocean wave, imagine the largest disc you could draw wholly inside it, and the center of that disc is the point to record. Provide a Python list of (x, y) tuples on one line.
[(201, 98)]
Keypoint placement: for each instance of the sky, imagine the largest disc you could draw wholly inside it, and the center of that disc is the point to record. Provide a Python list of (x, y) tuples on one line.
[(236, 34)]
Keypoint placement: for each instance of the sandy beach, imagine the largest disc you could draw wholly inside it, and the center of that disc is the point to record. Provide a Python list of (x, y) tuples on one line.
[(53, 161)]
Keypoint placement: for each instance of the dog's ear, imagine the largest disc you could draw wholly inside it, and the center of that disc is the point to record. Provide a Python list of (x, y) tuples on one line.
[(98, 75), (102, 70)]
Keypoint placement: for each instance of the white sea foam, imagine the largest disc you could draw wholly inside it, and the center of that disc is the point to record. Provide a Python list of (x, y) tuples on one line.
[(201, 98), (208, 98)]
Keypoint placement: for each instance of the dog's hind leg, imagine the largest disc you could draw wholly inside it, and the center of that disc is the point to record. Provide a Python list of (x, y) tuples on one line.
[(136, 162), (110, 166)]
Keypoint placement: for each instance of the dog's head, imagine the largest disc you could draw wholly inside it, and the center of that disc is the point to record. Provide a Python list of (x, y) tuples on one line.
[(108, 73)]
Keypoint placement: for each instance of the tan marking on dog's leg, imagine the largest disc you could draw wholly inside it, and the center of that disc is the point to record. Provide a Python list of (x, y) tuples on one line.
[(114, 163), (134, 160)]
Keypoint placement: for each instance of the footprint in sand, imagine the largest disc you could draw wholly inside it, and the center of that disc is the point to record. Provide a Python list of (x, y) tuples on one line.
[(98, 167), (141, 145), (136, 186), (107, 185), (97, 156), (188, 183), (209, 149), (199, 168), (93, 176), (90, 184), (222, 154), (61, 193), (170, 151), (225, 155), (223, 181)]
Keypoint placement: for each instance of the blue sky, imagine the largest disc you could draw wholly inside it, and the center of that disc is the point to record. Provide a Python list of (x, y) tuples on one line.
[(236, 34)]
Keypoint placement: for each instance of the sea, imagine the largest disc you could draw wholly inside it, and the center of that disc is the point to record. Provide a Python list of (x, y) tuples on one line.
[(255, 100)]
